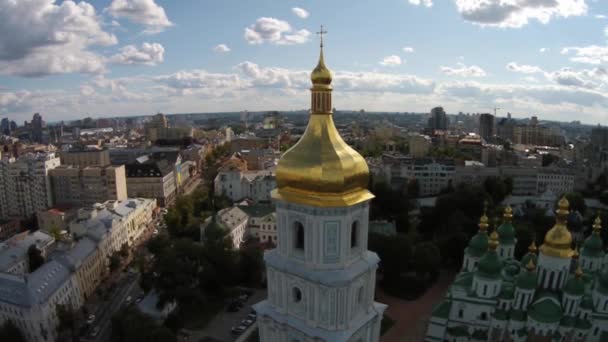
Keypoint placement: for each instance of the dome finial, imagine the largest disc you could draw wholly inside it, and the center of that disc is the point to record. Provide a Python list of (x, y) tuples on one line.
[(530, 266), (321, 76), (579, 271), (493, 242), (507, 214), (532, 248), (483, 223), (597, 224)]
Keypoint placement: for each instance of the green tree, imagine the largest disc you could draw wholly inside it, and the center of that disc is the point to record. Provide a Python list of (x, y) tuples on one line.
[(35, 258), (395, 253), (114, 261), (55, 232), (130, 325), (427, 259), (251, 264), (67, 320), (10, 332)]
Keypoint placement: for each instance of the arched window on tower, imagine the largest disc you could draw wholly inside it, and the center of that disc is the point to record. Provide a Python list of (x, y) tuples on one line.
[(354, 235), (298, 230)]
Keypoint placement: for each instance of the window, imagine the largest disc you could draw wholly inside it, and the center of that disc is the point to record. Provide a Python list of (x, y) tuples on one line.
[(360, 295), (460, 313), (354, 235), (297, 295), (298, 235), (484, 316)]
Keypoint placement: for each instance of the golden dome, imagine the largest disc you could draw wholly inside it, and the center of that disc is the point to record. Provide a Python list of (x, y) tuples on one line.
[(321, 169), (493, 242), (321, 76), (558, 240)]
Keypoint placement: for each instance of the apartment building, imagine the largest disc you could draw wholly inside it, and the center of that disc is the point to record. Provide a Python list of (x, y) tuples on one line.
[(242, 222), (152, 180), (85, 157), (26, 185), (432, 175), (13, 252), (235, 181), (83, 186)]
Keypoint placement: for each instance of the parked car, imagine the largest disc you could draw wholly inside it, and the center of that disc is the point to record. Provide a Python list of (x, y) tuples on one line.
[(246, 322), (90, 319), (252, 317), (238, 330), (94, 332), (129, 299)]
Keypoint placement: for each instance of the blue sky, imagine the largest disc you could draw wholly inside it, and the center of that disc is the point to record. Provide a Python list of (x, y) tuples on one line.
[(98, 58)]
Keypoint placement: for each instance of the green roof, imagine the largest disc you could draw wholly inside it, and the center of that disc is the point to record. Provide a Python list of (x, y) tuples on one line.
[(526, 279), (458, 331), (587, 303), (567, 321), (443, 309), (500, 314), (464, 279), (583, 324), (526, 259), (575, 286), (506, 291), (478, 244), (518, 315), (506, 233), (489, 265), (257, 210), (546, 309), (593, 246)]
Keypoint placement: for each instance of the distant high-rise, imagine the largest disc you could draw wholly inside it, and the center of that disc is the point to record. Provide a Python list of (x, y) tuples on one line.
[(486, 126), (438, 119), (36, 126), (5, 127), (599, 137)]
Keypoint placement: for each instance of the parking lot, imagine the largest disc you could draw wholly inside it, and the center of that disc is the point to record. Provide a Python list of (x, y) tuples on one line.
[(221, 325)]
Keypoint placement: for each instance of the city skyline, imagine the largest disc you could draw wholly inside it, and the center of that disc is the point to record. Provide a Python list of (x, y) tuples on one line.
[(68, 60)]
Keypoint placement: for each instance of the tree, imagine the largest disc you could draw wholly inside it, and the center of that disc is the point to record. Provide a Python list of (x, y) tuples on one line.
[(251, 265), (124, 250), (67, 320), (114, 261), (130, 325), (427, 259), (35, 257), (55, 232), (394, 252), (413, 188), (577, 202), (497, 188), (10, 332)]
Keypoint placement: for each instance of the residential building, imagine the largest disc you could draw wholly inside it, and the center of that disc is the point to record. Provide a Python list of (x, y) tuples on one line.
[(558, 181), (419, 145), (56, 218), (536, 134), (87, 262), (474, 173), (26, 185), (85, 157), (122, 222), (262, 222), (30, 301), (321, 277), (13, 252), (505, 128), (432, 175), (83, 186), (152, 180), (599, 137), (237, 182), (553, 293), (9, 228), (525, 180), (486, 126), (235, 220)]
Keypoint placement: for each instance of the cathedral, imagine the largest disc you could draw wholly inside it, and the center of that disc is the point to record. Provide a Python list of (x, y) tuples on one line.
[(321, 277), (551, 294)]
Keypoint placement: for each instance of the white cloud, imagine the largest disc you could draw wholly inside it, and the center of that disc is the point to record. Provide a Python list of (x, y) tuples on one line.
[(517, 13), (427, 3), (39, 37), (199, 79), (148, 54), (300, 12), (463, 71), (143, 12), (390, 61), (523, 68), (275, 31), (273, 77), (600, 16), (592, 54), (408, 49), (380, 82), (543, 50), (221, 48)]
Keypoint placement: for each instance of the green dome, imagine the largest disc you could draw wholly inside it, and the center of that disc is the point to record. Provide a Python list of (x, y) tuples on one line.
[(603, 281), (526, 280), (506, 233), (567, 321), (526, 259), (478, 244), (582, 324), (489, 265), (547, 309), (575, 286), (593, 246), (506, 291)]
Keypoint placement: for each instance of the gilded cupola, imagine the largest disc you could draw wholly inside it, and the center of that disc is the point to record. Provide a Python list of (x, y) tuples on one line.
[(558, 240), (321, 169)]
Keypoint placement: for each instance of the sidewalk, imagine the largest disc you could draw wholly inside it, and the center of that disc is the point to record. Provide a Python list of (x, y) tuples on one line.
[(411, 316)]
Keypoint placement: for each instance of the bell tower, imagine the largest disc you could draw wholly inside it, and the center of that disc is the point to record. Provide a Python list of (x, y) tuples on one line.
[(321, 277)]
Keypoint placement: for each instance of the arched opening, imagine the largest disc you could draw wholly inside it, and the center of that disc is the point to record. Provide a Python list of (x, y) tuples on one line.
[(298, 230), (354, 235), (297, 295)]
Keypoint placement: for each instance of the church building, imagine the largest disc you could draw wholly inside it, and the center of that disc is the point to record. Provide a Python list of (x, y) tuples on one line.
[(321, 277), (551, 294)]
